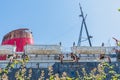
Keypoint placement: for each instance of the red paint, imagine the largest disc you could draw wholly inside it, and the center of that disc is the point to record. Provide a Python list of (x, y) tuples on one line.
[(19, 42), (19, 38), (3, 57)]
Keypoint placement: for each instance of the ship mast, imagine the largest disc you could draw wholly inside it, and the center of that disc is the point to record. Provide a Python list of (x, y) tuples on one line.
[(83, 24)]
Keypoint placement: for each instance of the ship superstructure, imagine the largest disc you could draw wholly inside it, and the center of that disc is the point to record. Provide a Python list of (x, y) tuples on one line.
[(43, 56), (19, 43)]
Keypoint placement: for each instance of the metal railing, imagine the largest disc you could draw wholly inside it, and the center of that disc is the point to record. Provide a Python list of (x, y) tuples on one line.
[(7, 49), (92, 50), (42, 49)]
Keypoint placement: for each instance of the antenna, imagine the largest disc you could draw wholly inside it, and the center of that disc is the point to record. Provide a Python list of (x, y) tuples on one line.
[(83, 24)]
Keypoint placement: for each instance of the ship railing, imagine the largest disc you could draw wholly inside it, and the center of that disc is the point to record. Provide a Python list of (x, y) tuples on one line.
[(92, 50), (42, 49), (55, 58), (43, 57), (7, 49)]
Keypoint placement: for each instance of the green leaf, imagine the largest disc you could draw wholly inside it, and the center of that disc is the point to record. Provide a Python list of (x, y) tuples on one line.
[(119, 9)]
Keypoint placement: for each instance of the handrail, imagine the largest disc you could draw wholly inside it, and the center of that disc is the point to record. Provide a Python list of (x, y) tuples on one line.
[(92, 50), (7, 49), (42, 49)]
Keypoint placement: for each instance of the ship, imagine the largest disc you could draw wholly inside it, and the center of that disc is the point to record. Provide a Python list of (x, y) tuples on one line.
[(45, 62), (20, 42)]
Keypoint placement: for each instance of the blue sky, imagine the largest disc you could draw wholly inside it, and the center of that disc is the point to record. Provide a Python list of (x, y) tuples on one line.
[(54, 21)]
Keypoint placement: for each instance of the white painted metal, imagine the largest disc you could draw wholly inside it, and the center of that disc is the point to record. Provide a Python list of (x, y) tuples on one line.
[(42, 49), (7, 49)]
